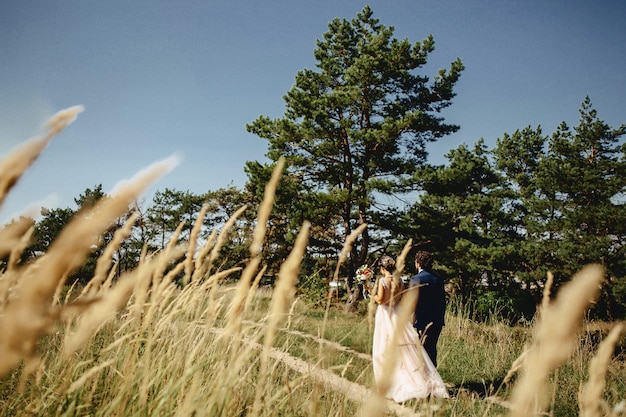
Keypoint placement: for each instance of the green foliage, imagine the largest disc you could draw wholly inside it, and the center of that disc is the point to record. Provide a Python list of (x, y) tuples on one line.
[(461, 218), (567, 208), (500, 220), (90, 197), (509, 304), (617, 288), (314, 290), (171, 208), (51, 224), (49, 227)]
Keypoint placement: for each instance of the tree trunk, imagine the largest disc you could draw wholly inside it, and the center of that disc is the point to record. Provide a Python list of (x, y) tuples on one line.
[(354, 297)]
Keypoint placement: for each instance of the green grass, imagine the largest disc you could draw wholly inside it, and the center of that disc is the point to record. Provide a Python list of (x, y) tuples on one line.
[(474, 359)]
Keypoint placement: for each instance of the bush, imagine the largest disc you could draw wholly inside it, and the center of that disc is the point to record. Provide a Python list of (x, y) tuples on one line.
[(314, 289), (509, 304)]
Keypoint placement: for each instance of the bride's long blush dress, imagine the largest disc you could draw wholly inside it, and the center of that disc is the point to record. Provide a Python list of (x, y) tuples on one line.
[(412, 377)]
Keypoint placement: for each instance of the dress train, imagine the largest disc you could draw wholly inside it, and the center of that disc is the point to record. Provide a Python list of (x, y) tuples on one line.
[(413, 376)]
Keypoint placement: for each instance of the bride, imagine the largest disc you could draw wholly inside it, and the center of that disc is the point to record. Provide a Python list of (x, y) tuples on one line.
[(414, 375)]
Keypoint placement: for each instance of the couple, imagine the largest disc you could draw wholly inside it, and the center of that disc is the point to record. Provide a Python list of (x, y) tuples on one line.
[(415, 372)]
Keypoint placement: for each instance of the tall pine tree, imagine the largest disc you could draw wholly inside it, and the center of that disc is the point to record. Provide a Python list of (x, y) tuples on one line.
[(357, 127)]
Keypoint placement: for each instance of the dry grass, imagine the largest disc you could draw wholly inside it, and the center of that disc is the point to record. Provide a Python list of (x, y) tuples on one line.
[(141, 345), (554, 340)]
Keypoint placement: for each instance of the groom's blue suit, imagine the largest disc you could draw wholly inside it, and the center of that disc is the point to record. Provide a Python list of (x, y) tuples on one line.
[(430, 310)]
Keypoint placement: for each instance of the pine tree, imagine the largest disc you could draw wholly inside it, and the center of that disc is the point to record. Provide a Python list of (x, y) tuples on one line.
[(357, 127)]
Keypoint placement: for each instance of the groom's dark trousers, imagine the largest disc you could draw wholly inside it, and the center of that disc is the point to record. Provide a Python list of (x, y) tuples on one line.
[(430, 341)]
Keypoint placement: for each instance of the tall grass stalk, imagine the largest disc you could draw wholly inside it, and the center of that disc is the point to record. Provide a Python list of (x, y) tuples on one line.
[(554, 340), (282, 299), (591, 402)]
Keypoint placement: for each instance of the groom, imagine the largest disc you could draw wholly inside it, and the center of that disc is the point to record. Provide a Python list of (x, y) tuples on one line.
[(431, 303)]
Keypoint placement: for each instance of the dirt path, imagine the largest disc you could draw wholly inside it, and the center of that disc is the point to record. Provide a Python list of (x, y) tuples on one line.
[(319, 340), (353, 391)]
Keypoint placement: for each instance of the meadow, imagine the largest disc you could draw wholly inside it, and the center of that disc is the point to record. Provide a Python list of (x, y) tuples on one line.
[(177, 336)]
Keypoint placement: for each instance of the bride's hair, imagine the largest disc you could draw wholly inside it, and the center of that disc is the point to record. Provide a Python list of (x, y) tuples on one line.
[(388, 263), (397, 288)]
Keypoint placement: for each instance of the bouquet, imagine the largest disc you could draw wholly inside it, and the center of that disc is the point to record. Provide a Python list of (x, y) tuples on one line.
[(364, 277), (364, 274)]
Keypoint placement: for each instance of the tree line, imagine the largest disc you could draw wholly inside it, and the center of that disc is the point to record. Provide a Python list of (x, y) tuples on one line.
[(354, 137)]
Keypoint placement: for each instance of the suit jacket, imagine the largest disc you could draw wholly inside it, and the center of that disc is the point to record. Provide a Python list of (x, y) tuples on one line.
[(431, 304)]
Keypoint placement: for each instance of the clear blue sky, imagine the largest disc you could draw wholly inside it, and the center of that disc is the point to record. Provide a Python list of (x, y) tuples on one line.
[(183, 77)]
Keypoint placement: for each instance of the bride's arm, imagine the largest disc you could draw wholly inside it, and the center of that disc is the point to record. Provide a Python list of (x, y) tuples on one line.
[(380, 295)]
